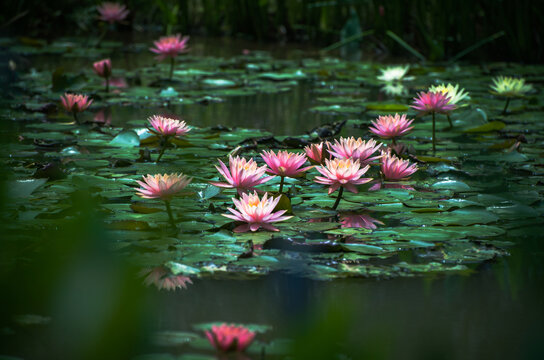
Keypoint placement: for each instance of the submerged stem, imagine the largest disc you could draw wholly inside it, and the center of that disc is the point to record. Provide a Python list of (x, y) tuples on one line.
[(281, 184), (434, 133), (169, 211), (340, 192), (506, 106)]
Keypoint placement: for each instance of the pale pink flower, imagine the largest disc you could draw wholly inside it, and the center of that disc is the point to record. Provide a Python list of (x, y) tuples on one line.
[(163, 126), (391, 127), (344, 173), (432, 102), (394, 168), (242, 174), (163, 279), (103, 68), (284, 164), (316, 154), (256, 212), (356, 149), (365, 221), (170, 46), (112, 12), (75, 102), (230, 337), (163, 187)]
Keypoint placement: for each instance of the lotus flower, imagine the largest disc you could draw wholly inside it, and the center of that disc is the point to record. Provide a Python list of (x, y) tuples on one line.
[(394, 168), (163, 279), (242, 175), (432, 103), (358, 149), (365, 221), (230, 337), (315, 152), (163, 187), (284, 164), (170, 47), (103, 69), (452, 92), (391, 127), (256, 212), (75, 103), (509, 87), (393, 73), (112, 12)]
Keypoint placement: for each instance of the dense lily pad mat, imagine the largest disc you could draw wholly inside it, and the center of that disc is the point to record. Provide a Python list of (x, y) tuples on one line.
[(485, 177)]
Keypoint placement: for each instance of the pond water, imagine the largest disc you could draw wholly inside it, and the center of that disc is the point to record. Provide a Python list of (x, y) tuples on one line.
[(451, 267)]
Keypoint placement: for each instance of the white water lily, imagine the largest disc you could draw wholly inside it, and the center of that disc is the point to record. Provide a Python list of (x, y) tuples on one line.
[(394, 73), (454, 94), (510, 87)]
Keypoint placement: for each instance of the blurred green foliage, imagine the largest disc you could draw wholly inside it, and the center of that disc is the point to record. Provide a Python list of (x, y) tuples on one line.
[(439, 29)]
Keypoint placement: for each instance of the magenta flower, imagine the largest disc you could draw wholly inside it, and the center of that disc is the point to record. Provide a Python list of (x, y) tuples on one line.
[(391, 127), (256, 213), (242, 175), (103, 69), (75, 103), (227, 338), (394, 168), (170, 47), (112, 12), (284, 164), (433, 103), (163, 187), (315, 152), (342, 173), (365, 221), (350, 148)]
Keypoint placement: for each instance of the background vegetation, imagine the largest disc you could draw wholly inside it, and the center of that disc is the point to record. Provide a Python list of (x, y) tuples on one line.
[(432, 29)]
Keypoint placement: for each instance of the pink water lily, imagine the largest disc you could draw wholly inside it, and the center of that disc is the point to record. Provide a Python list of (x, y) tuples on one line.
[(256, 213), (164, 280), (284, 164), (170, 47), (75, 103), (394, 168), (316, 153), (227, 338), (432, 102), (342, 173), (391, 127), (163, 187), (163, 126), (242, 175), (103, 69), (356, 149), (112, 12)]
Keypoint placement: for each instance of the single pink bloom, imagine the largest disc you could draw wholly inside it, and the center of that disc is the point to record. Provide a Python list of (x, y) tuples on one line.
[(316, 154), (256, 212), (230, 337), (359, 221), (390, 127), (75, 102), (344, 173), (284, 164), (163, 279), (432, 102), (242, 174), (163, 187), (170, 46), (103, 68), (356, 149), (163, 126), (394, 168), (112, 12)]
